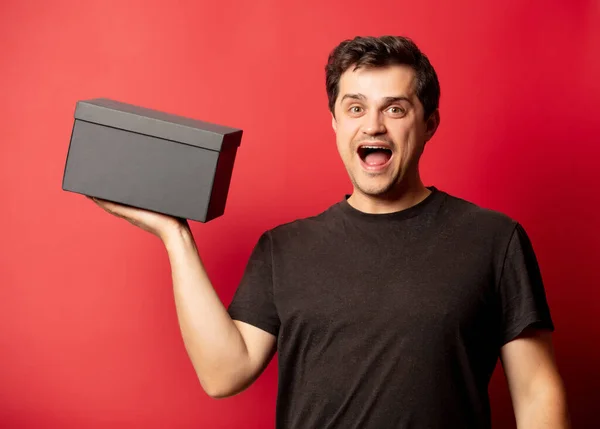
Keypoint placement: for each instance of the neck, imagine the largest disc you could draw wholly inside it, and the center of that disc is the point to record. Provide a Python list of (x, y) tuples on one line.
[(393, 201)]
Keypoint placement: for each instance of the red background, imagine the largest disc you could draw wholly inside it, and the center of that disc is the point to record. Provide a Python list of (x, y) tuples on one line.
[(89, 336)]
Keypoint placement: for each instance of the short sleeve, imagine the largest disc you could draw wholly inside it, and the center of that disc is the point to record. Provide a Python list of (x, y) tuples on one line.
[(523, 302), (253, 300)]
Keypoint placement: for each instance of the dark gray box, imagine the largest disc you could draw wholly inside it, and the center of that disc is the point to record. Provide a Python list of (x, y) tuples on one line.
[(150, 159)]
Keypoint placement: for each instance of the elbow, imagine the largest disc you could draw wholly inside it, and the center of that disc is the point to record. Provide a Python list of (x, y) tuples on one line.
[(548, 404), (215, 391), (216, 394), (222, 390), (225, 379)]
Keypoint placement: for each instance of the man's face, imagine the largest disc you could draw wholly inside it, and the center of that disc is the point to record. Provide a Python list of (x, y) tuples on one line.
[(380, 129)]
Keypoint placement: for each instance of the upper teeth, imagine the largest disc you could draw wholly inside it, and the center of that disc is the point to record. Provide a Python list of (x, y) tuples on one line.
[(374, 147)]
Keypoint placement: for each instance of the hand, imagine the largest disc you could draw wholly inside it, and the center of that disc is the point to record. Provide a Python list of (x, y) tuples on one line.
[(156, 223)]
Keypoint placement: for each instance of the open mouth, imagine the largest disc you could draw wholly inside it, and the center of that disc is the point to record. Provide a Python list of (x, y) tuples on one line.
[(374, 155)]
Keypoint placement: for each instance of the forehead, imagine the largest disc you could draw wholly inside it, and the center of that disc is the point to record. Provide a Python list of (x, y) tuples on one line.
[(378, 82)]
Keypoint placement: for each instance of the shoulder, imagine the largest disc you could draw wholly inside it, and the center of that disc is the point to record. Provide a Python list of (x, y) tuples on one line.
[(459, 211), (306, 226), (474, 225), (481, 230)]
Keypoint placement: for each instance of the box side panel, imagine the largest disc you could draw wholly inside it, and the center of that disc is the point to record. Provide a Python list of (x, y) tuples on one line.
[(232, 140), (75, 124), (140, 171), (222, 180)]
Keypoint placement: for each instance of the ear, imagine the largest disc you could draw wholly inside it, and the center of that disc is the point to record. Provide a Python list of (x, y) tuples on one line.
[(333, 123), (432, 124)]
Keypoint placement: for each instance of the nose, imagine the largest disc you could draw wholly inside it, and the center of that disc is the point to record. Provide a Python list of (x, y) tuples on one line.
[(373, 123)]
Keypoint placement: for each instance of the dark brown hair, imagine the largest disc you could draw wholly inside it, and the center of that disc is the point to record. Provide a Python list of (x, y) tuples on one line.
[(380, 52)]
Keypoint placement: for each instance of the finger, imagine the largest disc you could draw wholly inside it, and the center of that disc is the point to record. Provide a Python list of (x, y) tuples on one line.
[(106, 204), (115, 209), (94, 200)]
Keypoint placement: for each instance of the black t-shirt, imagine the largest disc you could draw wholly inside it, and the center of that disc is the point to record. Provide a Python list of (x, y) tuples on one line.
[(391, 320)]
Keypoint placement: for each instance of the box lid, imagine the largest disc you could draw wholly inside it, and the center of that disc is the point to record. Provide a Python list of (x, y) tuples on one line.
[(150, 122)]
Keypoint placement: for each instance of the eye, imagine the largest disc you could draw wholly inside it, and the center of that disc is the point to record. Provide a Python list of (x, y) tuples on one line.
[(396, 110), (355, 110)]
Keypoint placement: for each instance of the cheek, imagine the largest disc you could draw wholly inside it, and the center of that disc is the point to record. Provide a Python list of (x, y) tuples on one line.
[(344, 146), (345, 135), (407, 135)]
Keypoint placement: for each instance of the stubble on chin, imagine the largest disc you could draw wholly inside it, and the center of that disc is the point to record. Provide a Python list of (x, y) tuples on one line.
[(386, 188)]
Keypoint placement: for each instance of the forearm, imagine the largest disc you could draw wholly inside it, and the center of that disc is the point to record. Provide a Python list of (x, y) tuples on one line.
[(546, 410), (212, 340)]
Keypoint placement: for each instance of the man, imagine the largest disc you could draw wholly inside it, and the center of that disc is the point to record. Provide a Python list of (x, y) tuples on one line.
[(391, 308)]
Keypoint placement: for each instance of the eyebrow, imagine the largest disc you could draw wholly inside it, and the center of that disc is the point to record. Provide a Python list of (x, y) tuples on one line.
[(386, 100)]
